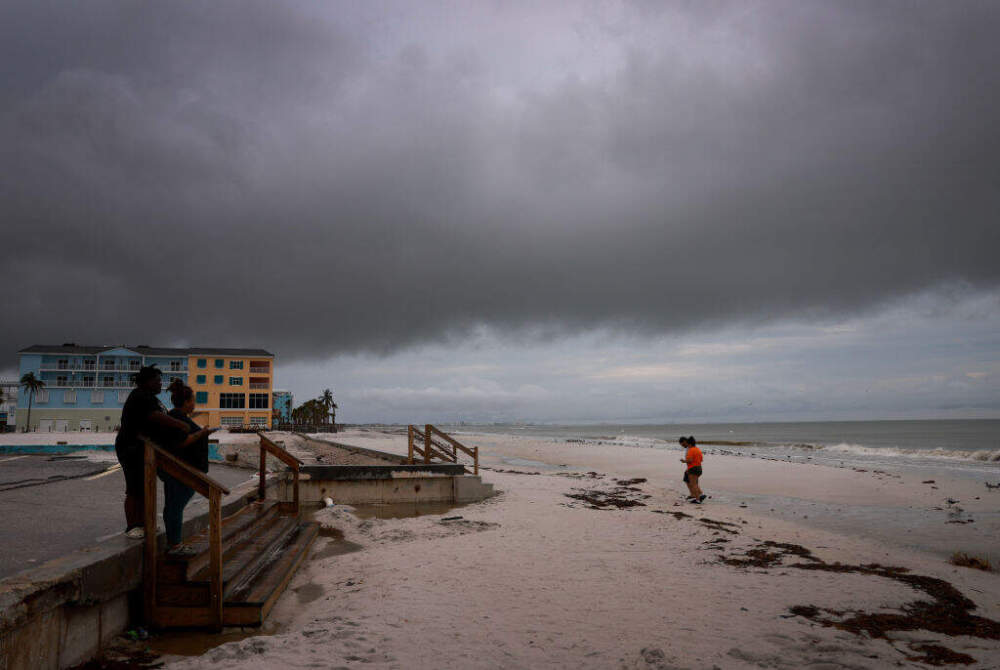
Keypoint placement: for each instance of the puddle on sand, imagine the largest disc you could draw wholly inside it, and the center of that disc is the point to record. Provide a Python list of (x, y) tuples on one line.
[(309, 592), (404, 510), (528, 463), (196, 643), (335, 546)]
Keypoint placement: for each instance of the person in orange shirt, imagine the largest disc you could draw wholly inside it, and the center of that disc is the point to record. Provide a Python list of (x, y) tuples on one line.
[(693, 460)]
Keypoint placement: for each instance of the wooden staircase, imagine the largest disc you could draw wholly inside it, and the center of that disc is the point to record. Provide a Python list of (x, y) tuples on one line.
[(233, 572)]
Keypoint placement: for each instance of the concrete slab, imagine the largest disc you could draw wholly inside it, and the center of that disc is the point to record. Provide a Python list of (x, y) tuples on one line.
[(54, 517)]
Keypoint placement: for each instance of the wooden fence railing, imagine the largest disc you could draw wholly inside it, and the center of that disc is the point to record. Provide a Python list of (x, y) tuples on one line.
[(269, 447), (155, 459), (437, 444)]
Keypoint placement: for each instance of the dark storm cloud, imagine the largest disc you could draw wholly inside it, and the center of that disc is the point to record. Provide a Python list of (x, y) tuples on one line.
[(303, 177)]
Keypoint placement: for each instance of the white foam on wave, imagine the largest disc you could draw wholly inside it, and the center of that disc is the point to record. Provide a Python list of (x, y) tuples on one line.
[(623, 440), (985, 455)]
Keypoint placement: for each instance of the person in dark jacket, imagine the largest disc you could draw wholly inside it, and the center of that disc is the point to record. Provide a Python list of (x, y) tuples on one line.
[(143, 415), (192, 448)]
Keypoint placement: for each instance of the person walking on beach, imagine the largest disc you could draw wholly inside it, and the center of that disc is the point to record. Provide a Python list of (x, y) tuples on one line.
[(192, 448), (693, 460), (142, 415)]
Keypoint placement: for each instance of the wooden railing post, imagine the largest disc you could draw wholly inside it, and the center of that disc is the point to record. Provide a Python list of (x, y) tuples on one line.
[(215, 554), (409, 444), (476, 461), (262, 484), (295, 494), (427, 443), (149, 525)]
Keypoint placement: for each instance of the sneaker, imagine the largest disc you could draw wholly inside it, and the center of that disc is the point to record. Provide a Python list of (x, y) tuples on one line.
[(695, 501), (136, 533), (702, 497), (182, 551)]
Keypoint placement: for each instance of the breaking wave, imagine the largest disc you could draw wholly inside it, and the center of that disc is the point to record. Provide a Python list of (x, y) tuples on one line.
[(984, 455)]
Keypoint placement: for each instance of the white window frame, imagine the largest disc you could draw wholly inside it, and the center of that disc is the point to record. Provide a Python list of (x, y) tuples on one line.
[(69, 397), (231, 421), (41, 396), (235, 365), (258, 421), (123, 396), (238, 382), (96, 397)]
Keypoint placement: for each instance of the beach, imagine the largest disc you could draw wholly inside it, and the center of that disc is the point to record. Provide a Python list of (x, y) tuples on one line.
[(589, 558)]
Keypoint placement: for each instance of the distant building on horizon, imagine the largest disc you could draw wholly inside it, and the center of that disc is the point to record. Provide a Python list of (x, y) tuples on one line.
[(85, 387), (282, 406), (8, 404)]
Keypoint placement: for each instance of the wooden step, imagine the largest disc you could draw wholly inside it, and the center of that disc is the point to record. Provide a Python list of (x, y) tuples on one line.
[(255, 603), (251, 605), (239, 565), (235, 529)]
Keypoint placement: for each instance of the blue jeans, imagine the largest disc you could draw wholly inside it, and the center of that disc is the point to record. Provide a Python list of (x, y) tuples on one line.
[(175, 497)]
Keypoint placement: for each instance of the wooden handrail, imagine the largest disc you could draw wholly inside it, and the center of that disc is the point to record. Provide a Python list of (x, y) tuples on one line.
[(156, 458), (268, 446), (434, 448)]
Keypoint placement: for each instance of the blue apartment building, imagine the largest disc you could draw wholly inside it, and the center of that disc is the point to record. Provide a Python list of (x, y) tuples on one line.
[(86, 387)]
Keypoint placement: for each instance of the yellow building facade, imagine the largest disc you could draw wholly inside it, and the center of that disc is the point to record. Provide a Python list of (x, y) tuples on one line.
[(232, 387)]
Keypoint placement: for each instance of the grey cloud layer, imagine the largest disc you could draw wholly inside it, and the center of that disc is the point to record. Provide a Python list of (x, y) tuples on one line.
[(318, 179)]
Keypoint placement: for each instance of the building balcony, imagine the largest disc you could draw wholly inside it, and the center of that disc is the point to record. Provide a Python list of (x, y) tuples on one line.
[(259, 386), (255, 370)]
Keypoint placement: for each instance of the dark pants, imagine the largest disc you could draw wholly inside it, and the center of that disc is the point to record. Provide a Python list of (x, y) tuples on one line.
[(175, 497), (131, 459)]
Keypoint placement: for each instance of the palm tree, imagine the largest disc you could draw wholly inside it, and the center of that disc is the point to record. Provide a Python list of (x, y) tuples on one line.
[(31, 384), (330, 415)]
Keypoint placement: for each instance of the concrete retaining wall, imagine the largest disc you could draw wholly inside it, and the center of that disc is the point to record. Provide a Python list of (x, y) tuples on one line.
[(374, 484)]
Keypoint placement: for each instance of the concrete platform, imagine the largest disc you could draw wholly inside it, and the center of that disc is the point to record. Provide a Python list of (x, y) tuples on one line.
[(51, 506)]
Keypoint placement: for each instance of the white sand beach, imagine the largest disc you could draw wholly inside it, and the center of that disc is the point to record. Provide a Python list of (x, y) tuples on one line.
[(533, 578)]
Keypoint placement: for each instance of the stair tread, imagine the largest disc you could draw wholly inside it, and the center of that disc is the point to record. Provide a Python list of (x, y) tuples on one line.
[(248, 554), (269, 582), (231, 526)]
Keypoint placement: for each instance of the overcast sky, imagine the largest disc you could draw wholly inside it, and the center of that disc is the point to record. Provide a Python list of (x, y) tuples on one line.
[(505, 211)]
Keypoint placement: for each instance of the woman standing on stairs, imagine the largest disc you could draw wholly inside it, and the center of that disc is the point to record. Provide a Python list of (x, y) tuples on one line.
[(192, 448)]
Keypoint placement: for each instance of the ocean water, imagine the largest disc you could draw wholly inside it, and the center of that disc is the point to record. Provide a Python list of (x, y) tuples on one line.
[(962, 446)]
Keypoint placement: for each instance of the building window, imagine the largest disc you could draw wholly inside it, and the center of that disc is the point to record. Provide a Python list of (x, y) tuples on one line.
[(109, 365), (218, 379), (88, 381), (123, 396), (69, 397), (236, 381), (232, 421), (232, 401), (96, 397), (201, 397), (202, 362), (201, 379), (258, 401), (258, 421), (62, 380), (63, 364), (235, 365), (109, 381), (175, 366), (219, 362), (42, 396)]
